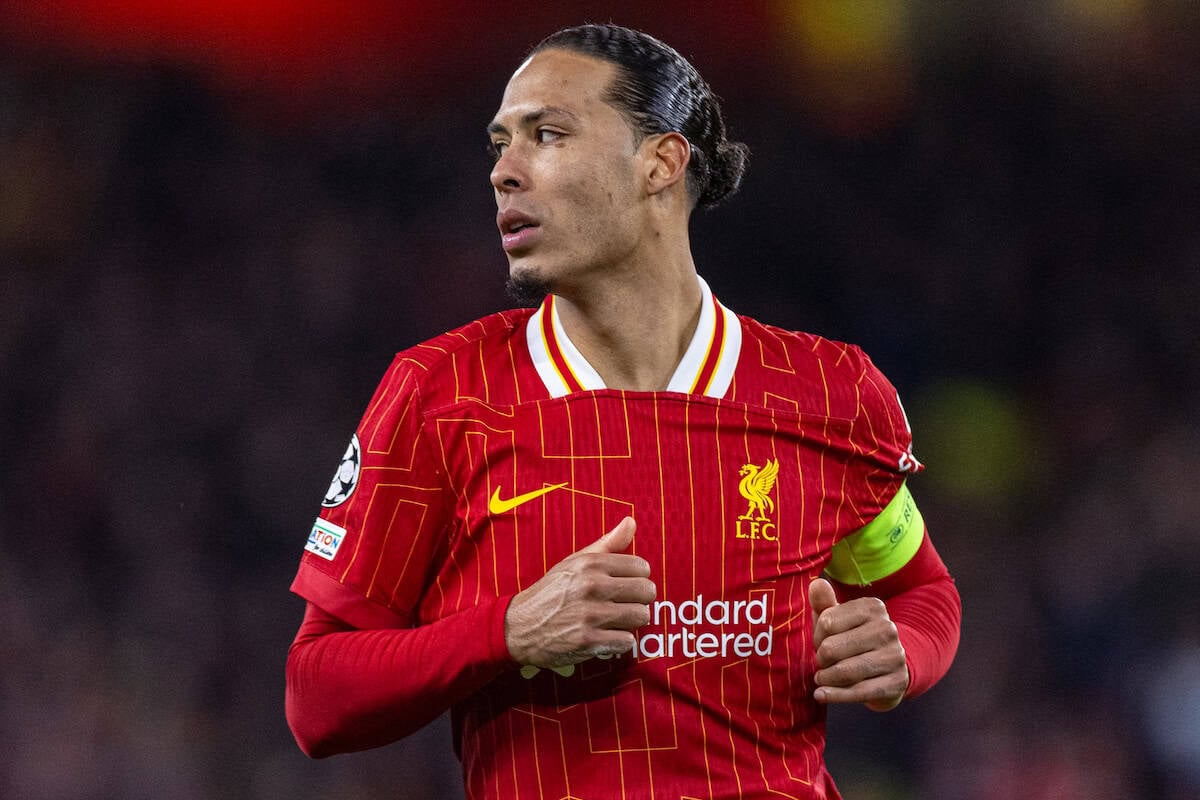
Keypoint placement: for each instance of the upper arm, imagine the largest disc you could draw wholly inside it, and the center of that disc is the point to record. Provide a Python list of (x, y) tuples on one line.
[(883, 546), (385, 526)]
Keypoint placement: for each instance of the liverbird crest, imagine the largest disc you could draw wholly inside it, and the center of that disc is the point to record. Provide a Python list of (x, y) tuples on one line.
[(756, 485)]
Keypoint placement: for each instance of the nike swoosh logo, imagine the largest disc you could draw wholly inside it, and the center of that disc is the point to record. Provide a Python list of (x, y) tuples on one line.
[(498, 506)]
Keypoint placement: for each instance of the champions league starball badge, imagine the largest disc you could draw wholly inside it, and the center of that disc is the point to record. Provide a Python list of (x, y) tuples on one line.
[(346, 477)]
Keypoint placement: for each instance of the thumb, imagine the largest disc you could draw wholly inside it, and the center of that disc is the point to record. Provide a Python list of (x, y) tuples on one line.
[(821, 597), (615, 541)]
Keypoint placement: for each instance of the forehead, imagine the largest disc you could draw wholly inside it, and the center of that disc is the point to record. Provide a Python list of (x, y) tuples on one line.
[(558, 79)]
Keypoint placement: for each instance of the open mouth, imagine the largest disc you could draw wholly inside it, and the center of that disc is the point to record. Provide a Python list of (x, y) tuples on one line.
[(517, 230), (520, 237)]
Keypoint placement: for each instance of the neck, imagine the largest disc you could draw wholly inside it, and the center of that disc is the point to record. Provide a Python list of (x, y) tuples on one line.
[(634, 325)]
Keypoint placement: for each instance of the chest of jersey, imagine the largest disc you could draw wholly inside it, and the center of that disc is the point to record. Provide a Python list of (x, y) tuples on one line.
[(737, 509), (728, 500)]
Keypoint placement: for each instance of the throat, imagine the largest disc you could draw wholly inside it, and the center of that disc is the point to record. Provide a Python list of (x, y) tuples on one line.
[(636, 377), (639, 350)]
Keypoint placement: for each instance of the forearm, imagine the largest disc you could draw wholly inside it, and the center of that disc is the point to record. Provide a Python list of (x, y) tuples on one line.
[(924, 604), (350, 689)]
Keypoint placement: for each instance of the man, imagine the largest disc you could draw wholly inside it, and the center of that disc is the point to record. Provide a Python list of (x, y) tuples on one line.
[(595, 531)]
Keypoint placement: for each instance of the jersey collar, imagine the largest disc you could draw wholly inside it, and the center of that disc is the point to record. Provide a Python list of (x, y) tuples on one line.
[(706, 367)]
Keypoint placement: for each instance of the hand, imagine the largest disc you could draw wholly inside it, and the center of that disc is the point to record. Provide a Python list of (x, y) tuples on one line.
[(585, 606), (859, 655)]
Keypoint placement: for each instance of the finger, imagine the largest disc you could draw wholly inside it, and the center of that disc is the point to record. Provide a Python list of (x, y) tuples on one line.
[(627, 590), (853, 614), (878, 636), (626, 617), (880, 694), (821, 598), (611, 643), (617, 565), (603, 643), (862, 667), (615, 541)]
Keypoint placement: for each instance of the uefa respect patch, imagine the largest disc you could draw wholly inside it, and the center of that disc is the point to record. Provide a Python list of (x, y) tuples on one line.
[(325, 539)]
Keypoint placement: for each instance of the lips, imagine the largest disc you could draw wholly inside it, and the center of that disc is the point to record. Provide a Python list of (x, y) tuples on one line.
[(518, 230)]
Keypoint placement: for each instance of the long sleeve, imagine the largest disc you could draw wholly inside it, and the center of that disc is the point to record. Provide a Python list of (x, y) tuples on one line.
[(923, 602), (351, 689)]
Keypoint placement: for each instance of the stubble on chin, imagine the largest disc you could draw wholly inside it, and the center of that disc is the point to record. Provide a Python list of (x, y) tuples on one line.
[(527, 288)]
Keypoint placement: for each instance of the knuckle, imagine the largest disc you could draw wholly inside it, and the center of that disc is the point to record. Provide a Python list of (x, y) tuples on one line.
[(827, 657), (592, 584), (577, 561), (883, 633), (888, 627), (591, 639), (593, 616)]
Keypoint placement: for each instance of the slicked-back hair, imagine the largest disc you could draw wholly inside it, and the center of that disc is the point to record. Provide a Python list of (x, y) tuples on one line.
[(658, 91)]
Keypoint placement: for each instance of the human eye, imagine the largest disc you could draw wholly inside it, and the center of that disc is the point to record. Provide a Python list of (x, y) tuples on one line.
[(548, 135), (496, 149)]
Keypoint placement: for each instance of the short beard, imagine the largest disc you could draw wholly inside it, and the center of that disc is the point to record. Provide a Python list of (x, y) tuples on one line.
[(527, 290)]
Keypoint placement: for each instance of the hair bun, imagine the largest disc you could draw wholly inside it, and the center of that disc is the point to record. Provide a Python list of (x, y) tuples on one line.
[(725, 170)]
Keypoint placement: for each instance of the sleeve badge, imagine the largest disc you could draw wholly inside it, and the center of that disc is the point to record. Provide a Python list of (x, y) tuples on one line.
[(346, 477)]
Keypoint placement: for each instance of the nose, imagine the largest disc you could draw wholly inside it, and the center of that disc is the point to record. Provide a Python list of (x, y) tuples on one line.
[(508, 173)]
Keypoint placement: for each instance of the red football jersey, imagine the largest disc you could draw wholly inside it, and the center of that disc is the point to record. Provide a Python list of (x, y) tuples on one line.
[(491, 453)]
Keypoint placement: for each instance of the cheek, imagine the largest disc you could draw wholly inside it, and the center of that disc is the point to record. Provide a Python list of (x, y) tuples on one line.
[(599, 203)]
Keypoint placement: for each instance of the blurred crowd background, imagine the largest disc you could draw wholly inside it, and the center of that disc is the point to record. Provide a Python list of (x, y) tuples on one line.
[(218, 220)]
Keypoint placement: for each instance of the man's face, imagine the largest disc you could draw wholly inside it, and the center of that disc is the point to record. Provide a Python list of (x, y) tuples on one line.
[(567, 192)]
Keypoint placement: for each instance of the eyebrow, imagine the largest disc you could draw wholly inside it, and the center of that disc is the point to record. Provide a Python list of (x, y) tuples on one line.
[(531, 117)]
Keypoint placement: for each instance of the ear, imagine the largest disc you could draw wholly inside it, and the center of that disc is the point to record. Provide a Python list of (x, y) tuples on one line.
[(667, 156)]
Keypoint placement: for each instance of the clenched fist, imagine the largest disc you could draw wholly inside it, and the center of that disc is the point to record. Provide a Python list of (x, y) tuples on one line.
[(859, 655), (587, 605)]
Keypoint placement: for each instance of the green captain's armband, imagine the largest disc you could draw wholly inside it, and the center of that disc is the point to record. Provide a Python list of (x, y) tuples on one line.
[(883, 546)]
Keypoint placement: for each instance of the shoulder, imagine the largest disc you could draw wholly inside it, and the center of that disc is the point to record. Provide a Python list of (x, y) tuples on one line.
[(828, 372), (487, 332), (814, 375), (460, 362)]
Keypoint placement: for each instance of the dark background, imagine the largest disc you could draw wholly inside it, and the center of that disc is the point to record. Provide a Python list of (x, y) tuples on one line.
[(218, 220)]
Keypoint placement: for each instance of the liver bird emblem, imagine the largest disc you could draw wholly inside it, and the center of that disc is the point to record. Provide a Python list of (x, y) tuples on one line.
[(756, 486)]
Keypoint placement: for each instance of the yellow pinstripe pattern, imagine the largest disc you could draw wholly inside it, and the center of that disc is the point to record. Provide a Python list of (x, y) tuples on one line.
[(372, 437), (786, 367), (458, 396), (729, 727), (574, 479), (512, 361), (601, 450), (516, 774), (663, 588), (483, 375), (412, 545)]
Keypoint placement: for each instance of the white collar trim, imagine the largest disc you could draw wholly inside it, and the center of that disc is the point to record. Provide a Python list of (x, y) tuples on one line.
[(711, 356)]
